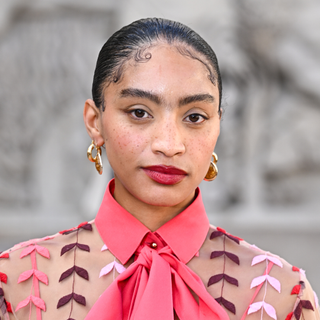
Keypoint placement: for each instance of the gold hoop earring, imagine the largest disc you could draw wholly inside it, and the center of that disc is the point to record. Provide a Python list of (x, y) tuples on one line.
[(213, 169), (97, 159)]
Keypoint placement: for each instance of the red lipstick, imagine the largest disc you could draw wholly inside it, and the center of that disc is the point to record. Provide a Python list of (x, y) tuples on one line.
[(167, 175)]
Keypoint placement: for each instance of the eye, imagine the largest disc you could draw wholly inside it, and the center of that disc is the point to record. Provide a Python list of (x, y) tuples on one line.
[(195, 118), (139, 114)]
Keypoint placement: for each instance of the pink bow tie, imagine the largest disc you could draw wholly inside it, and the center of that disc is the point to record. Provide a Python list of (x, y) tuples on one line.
[(153, 287)]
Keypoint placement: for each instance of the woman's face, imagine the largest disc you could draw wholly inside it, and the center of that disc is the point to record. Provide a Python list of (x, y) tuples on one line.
[(160, 127)]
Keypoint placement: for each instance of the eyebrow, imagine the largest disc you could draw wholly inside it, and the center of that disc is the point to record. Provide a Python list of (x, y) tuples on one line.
[(196, 98), (138, 93)]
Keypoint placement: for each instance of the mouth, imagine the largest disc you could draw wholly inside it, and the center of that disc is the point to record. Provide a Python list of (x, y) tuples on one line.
[(167, 175)]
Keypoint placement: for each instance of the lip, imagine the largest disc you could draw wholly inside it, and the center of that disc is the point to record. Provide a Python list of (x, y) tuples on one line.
[(167, 175)]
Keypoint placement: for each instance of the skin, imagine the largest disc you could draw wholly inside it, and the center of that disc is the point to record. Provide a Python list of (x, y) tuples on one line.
[(161, 127)]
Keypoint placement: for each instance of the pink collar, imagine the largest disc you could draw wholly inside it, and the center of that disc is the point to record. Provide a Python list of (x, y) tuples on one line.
[(123, 233)]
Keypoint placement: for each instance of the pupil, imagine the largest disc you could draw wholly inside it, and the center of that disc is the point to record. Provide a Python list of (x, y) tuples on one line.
[(194, 117), (139, 113)]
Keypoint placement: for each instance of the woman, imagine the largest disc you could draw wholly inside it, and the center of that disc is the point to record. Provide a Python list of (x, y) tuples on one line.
[(150, 253)]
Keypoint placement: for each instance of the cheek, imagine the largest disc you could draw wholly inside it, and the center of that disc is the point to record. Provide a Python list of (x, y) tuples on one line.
[(201, 148), (123, 143)]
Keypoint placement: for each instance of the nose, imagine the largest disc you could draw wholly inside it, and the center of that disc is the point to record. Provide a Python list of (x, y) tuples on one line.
[(168, 139)]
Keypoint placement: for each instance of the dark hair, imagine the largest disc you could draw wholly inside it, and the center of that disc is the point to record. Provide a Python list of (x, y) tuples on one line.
[(132, 41)]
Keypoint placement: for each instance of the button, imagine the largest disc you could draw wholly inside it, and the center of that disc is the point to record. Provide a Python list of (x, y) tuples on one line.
[(153, 245)]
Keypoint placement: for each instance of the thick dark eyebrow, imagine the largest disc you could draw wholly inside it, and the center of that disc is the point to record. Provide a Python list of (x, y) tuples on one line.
[(138, 93), (196, 98)]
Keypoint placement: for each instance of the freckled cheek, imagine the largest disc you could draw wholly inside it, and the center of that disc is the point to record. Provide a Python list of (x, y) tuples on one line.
[(126, 143), (200, 151)]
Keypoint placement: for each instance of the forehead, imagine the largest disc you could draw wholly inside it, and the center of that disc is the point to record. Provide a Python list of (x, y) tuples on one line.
[(167, 72)]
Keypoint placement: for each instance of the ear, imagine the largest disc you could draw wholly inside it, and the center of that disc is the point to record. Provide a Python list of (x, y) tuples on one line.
[(92, 121)]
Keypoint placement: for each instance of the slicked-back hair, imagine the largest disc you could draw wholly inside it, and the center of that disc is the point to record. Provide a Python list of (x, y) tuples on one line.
[(132, 42)]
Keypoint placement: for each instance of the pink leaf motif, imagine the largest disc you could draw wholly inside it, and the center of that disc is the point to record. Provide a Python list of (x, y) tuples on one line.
[(276, 261), (104, 247), (263, 257), (316, 300), (105, 270), (254, 307), (27, 251), (119, 267), (67, 248), (83, 247), (25, 276), (41, 276), (43, 251), (273, 282), (23, 303), (227, 304), (39, 303)]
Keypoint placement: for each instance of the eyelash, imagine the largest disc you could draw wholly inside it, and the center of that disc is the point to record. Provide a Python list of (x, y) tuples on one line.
[(133, 114)]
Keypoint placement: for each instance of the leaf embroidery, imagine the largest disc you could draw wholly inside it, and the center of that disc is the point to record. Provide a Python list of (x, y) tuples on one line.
[(223, 276), (76, 297), (9, 307), (38, 274), (67, 248), (296, 289), (254, 307), (230, 255), (36, 301), (218, 277), (273, 282), (227, 304), (289, 316), (3, 278), (4, 256), (263, 257), (104, 247), (221, 232), (80, 272), (114, 264), (41, 250)]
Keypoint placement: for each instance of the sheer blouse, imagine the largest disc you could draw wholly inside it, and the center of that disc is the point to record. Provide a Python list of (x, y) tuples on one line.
[(116, 268)]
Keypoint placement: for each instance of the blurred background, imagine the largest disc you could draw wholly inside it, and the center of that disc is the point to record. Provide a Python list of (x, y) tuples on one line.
[(268, 189)]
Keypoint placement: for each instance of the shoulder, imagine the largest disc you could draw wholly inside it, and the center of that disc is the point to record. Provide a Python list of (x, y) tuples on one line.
[(33, 272), (247, 280)]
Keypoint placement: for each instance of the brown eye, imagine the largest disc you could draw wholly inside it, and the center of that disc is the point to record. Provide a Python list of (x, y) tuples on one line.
[(195, 118), (139, 113)]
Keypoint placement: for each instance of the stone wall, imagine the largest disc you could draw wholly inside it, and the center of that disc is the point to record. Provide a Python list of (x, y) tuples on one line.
[(269, 169)]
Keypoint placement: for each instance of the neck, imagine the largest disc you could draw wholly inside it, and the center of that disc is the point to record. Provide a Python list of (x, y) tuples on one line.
[(153, 217)]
